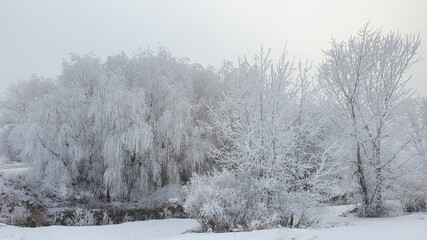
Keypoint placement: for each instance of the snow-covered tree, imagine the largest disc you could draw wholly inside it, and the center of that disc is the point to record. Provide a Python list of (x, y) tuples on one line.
[(272, 149), (119, 124), (15, 105), (176, 97), (411, 188), (416, 115), (120, 129), (365, 78)]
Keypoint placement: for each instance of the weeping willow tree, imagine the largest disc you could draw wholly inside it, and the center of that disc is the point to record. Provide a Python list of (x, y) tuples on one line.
[(121, 129)]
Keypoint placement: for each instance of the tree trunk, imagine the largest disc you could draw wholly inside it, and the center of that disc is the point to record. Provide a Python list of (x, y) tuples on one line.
[(377, 205), (362, 181)]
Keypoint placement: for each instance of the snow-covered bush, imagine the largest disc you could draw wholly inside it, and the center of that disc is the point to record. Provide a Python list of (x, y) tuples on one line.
[(223, 201), (412, 193), (19, 216), (217, 201), (83, 217), (106, 220)]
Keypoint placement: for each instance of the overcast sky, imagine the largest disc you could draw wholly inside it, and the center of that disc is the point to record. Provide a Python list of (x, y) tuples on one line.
[(35, 35)]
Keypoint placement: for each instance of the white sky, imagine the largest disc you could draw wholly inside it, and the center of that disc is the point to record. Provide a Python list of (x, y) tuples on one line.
[(36, 35)]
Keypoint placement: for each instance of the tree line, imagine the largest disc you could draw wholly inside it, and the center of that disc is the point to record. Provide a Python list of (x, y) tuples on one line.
[(257, 144)]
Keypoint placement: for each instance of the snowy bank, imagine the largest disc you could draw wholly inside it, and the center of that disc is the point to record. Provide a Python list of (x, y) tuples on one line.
[(413, 226)]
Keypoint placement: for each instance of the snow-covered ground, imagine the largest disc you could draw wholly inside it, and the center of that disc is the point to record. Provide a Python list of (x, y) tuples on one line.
[(13, 167), (413, 227)]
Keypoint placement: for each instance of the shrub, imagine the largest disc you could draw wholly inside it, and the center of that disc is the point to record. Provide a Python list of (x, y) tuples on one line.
[(223, 201), (19, 216), (412, 193), (84, 217)]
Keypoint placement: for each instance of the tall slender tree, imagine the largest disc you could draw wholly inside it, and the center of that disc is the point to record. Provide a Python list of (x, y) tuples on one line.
[(365, 78)]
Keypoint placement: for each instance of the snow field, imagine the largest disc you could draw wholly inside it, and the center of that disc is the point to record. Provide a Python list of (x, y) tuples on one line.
[(413, 227)]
